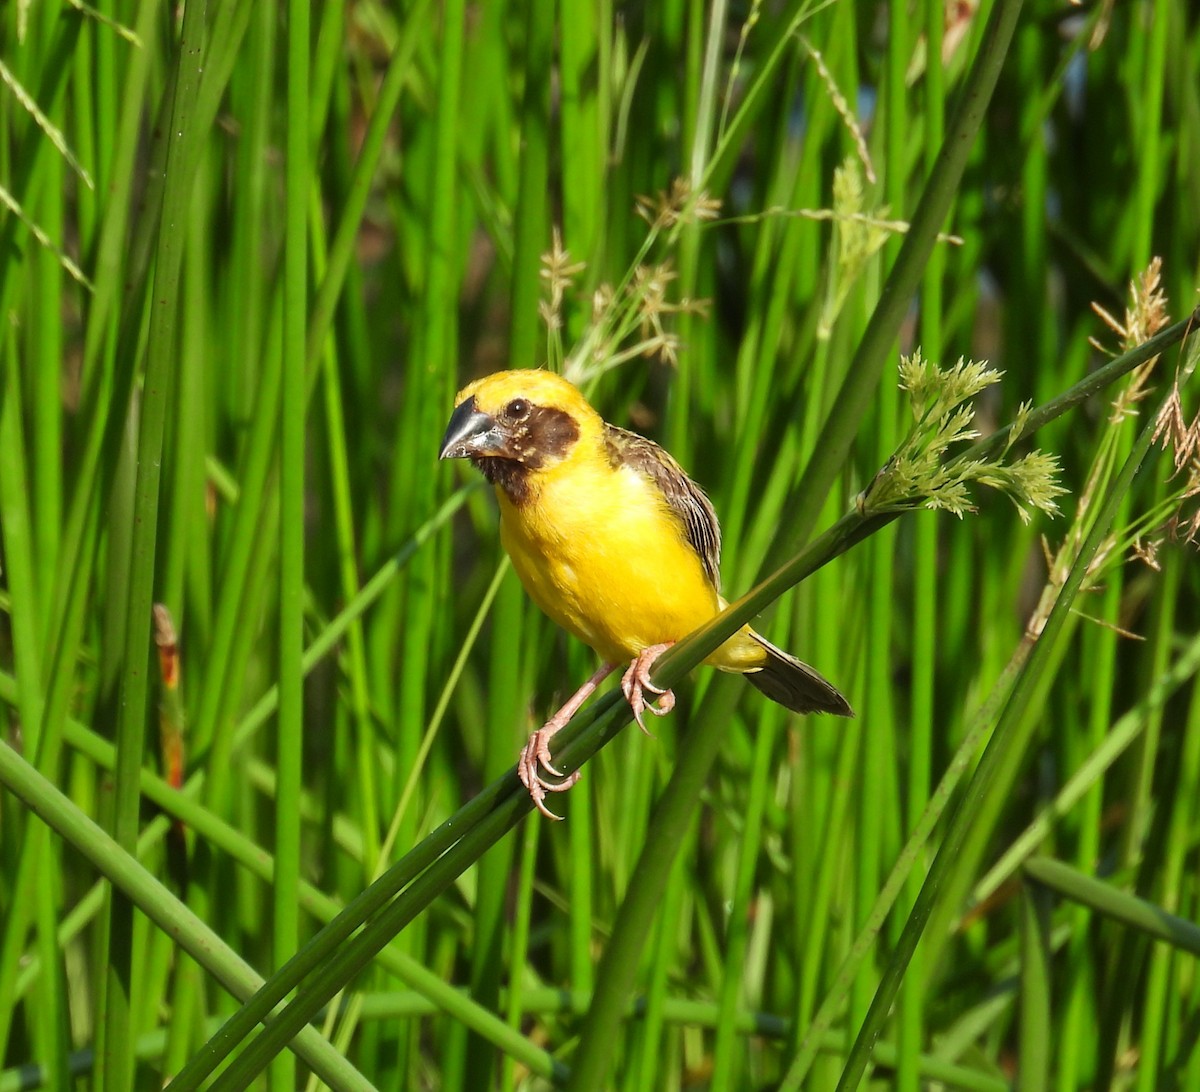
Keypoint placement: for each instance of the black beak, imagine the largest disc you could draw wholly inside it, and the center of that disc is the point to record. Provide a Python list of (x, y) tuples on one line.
[(470, 432)]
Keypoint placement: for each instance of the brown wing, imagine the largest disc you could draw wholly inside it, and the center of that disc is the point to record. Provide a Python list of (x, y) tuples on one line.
[(685, 498)]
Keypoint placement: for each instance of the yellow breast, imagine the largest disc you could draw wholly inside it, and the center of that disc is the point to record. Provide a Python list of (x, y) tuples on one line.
[(600, 552)]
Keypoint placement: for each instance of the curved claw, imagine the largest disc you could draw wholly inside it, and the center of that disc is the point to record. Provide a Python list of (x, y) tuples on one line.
[(535, 754), (637, 679)]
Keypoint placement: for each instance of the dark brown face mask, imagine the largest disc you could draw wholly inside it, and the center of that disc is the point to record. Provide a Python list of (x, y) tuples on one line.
[(505, 447)]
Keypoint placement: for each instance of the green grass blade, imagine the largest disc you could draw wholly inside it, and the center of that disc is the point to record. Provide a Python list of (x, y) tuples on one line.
[(292, 458), (1106, 899)]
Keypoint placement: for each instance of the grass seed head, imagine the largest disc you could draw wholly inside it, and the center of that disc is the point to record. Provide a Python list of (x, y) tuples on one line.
[(922, 473)]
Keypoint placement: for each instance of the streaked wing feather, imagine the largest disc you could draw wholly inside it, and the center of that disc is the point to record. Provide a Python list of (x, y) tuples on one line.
[(685, 498)]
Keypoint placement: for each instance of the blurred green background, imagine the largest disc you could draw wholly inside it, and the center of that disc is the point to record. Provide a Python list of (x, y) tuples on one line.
[(248, 253)]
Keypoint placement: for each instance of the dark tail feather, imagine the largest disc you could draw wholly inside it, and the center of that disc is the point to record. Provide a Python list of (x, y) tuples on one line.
[(795, 685)]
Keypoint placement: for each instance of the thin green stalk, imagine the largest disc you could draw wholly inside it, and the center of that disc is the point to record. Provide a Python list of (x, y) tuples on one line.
[(90, 94), (366, 736), (329, 50), (877, 705), (922, 708), (1163, 985), (248, 545), (46, 418), (1149, 129), (1100, 656), (187, 557), (704, 131), (518, 949), (19, 554), (253, 208), (29, 167), (1036, 1052), (30, 854), (506, 695), (531, 221), (585, 107), (581, 892), (50, 1024), (726, 1071), (341, 250), (686, 236), (648, 1073), (834, 834), (290, 742), (19, 548), (1106, 899)]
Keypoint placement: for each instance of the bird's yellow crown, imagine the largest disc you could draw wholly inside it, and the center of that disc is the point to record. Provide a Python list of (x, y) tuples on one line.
[(494, 392)]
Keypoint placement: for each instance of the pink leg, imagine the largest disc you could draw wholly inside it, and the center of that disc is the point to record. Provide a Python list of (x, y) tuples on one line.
[(637, 679), (537, 751)]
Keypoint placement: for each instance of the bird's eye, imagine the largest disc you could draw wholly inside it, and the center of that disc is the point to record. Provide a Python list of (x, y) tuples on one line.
[(517, 408)]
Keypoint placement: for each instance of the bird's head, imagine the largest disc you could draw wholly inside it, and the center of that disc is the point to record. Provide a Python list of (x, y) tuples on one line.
[(510, 423)]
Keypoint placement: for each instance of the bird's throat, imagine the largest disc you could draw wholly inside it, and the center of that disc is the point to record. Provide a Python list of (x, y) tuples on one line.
[(509, 475)]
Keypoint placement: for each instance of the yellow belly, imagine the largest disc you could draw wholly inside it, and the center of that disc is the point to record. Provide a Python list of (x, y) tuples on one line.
[(604, 557)]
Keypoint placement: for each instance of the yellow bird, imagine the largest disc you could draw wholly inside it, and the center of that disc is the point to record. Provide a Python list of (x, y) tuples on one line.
[(614, 542)]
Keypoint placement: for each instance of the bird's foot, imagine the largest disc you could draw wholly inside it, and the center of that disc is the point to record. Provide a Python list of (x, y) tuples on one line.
[(535, 757), (637, 679)]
